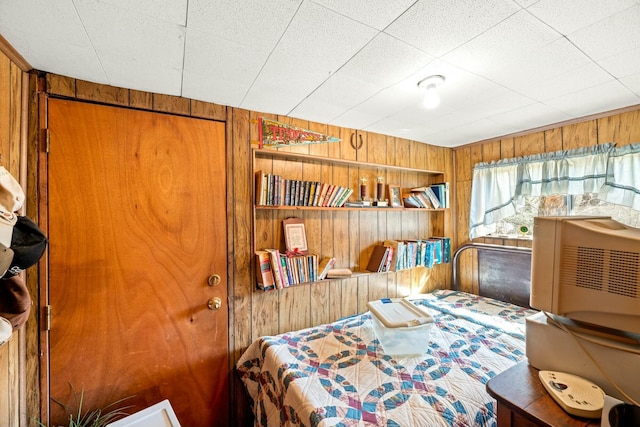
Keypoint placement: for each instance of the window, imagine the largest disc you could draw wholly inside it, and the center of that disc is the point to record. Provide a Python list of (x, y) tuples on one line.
[(528, 207), (599, 180)]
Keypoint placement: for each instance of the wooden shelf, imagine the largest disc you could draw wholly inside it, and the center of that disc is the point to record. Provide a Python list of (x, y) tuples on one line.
[(289, 156), (343, 208), (266, 218)]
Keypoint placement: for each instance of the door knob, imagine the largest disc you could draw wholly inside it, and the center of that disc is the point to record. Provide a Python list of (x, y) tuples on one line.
[(214, 280), (214, 303)]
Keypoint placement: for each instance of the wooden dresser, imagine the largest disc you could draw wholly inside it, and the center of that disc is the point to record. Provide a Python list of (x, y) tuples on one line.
[(524, 402)]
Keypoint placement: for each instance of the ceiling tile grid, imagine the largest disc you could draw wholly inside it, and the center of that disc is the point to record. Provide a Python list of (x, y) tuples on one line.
[(509, 65)]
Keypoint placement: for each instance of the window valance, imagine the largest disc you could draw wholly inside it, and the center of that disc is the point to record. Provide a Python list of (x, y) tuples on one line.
[(622, 185)]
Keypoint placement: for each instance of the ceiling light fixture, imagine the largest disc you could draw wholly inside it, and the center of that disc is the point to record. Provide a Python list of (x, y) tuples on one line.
[(431, 98)]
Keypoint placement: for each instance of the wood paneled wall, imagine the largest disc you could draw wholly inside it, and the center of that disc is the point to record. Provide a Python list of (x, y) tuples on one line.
[(18, 357), (621, 127)]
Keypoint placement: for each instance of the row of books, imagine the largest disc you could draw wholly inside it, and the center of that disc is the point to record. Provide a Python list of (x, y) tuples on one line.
[(275, 270), (435, 196), (394, 255), (274, 190)]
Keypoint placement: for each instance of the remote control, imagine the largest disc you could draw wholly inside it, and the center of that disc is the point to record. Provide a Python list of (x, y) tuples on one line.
[(574, 394)]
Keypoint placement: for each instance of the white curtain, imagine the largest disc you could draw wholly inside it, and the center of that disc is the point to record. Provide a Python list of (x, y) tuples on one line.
[(577, 171), (496, 185), (622, 185), (492, 192)]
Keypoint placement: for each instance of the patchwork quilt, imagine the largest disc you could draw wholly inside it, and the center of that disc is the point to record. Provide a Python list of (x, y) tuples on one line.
[(339, 375)]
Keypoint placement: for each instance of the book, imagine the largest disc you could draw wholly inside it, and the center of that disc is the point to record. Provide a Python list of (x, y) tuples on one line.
[(387, 265), (432, 197), (345, 196), (274, 257), (308, 188), (337, 273), (429, 259), (394, 245), (336, 195), (327, 195), (261, 188), (287, 192), (264, 273), (316, 195), (424, 200), (324, 266), (437, 257), (323, 193), (446, 248), (288, 280), (411, 201), (440, 190), (378, 258)]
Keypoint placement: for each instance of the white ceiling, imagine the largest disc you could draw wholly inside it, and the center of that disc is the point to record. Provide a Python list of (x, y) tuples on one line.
[(509, 65)]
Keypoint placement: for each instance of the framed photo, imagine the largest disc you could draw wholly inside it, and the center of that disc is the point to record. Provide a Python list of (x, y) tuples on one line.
[(295, 236), (395, 198)]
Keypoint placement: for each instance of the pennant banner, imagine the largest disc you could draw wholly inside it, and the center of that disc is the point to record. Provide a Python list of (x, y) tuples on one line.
[(277, 134)]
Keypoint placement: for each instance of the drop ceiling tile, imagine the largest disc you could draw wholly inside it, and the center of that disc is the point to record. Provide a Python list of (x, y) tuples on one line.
[(616, 34), (632, 83), (530, 117), (254, 23), (135, 50), (595, 100), (574, 80), (338, 94), (437, 27), (495, 104), (568, 16), (514, 37), (385, 61), (622, 64), (383, 104), (478, 130), (555, 58), (375, 13), (293, 70), (172, 11), (51, 37), (353, 119), (219, 70)]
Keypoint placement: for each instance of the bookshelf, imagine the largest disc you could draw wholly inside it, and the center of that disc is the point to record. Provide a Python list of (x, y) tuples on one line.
[(306, 158), (352, 251)]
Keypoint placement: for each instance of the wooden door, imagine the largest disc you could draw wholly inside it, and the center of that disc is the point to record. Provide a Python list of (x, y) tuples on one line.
[(137, 225)]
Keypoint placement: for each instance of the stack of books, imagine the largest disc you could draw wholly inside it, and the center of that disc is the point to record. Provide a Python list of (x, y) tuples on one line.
[(274, 190), (275, 270), (395, 255), (435, 196)]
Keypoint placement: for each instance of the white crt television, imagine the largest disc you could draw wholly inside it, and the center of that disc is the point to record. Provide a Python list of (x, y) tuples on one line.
[(587, 269)]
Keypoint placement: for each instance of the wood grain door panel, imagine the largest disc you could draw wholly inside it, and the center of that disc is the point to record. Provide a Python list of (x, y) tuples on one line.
[(137, 223)]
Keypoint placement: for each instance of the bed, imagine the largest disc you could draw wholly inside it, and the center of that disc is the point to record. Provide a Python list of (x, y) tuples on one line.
[(338, 374)]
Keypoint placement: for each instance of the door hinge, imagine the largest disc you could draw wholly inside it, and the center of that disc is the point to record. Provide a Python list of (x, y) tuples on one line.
[(45, 139), (47, 313)]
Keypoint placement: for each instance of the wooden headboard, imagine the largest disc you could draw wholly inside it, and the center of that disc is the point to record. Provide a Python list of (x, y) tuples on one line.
[(504, 272)]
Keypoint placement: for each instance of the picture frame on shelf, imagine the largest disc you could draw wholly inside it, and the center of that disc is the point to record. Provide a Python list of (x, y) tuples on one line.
[(395, 196), (295, 236)]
